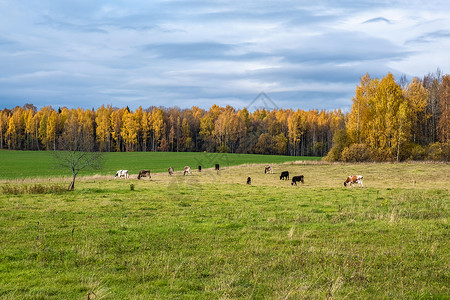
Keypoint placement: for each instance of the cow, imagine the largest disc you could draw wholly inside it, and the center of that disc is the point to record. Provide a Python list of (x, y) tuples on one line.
[(217, 167), (249, 180), (187, 170), (296, 179), (144, 173), (353, 179), (284, 175), (170, 171), (121, 173), (199, 168), (268, 169)]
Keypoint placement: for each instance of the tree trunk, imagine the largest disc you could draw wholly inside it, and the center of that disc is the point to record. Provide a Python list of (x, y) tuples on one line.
[(72, 184), (398, 142)]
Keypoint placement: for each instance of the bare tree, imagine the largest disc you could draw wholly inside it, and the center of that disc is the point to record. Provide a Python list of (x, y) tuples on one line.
[(77, 151)]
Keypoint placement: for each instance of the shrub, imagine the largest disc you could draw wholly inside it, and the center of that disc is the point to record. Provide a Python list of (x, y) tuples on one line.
[(446, 151), (438, 151), (223, 149), (380, 155), (333, 155), (341, 140), (417, 152), (356, 153)]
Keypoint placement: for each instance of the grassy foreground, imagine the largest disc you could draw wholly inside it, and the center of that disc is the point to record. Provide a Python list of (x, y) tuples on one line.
[(32, 164), (211, 236)]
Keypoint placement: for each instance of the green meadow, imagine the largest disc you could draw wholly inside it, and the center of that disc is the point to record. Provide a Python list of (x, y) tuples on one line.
[(29, 164), (212, 236)]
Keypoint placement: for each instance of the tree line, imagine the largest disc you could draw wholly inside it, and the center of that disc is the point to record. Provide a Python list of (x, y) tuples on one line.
[(395, 121), (389, 120), (218, 129)]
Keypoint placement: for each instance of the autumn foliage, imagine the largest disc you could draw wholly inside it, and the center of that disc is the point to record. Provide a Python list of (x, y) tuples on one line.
[(387, 121), (219, 129)]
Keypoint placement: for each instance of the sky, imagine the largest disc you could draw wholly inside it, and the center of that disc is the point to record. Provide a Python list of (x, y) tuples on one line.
[(285, 54)]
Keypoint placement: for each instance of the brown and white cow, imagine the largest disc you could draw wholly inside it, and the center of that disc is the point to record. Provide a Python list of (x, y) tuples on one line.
[(354, 179), (144, 173), (187, 170), (170, 171), (268, 169)]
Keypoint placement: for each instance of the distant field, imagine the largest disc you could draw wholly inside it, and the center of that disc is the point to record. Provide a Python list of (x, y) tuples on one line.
[(211, 236), (29, 164)]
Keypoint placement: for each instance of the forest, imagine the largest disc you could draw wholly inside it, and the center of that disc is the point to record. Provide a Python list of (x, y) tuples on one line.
[(388, 121)]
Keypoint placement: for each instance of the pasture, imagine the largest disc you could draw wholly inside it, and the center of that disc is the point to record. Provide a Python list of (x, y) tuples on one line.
[(212, 236), (32, 164)]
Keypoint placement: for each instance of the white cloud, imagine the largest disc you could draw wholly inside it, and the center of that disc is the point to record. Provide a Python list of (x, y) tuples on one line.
[(167, 52)]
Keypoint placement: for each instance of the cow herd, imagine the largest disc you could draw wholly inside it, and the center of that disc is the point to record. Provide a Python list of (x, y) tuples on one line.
[(350, 181), (285, 176), (146, 173)]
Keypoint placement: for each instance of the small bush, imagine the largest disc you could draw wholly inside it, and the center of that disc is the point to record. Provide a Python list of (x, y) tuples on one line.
[(417, 152), (380, 155), (446, 151), (131, 187), (332, 155), (223, 149), (356, 153), (341, 140), (438, 151)]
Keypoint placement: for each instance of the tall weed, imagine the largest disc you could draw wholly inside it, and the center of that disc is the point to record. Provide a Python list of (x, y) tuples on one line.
[(32, 189)]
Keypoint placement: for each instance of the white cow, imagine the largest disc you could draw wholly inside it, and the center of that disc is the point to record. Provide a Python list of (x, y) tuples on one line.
[(187, 170), (122, 173)]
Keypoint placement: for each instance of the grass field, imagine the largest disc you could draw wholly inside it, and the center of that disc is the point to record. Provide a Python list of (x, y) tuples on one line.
[(211, 236), (29, 164)]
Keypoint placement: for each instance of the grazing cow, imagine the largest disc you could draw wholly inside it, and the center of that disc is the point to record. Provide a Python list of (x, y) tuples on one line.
[(170, 171), (199, 168), (144, 173), (284, 175), (268, 169), (187, 170), (249, 180), (353, 179), (121, 173), (296, 179), (217, 167)]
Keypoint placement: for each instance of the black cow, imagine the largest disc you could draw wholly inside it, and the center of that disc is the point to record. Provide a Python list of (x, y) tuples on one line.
[(249, 180), (144, 173), (217, 167), (284, 175), (199, 168), (296, 179)]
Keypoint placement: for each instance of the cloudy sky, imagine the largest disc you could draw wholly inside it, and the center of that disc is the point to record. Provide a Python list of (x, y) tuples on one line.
[(302, 54)]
